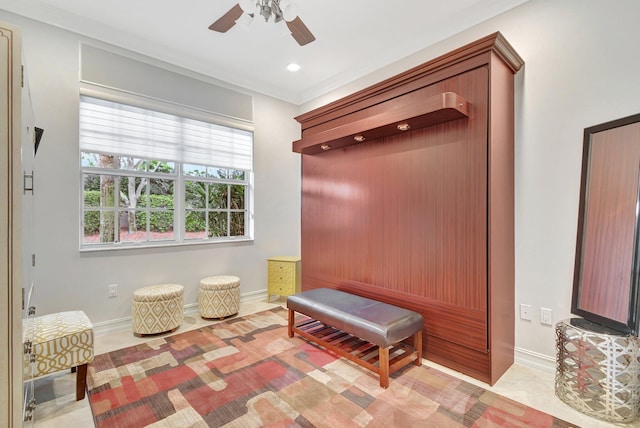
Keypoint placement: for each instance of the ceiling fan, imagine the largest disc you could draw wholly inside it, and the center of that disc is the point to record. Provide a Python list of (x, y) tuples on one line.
[(243, 12)]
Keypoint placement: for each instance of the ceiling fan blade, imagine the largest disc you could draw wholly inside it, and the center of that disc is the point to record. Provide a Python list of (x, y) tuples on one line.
[(227, 20), (300, 32)]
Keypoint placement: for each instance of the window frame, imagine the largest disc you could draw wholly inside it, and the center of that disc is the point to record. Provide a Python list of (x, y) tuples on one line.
[(179, 177), (208, 209)]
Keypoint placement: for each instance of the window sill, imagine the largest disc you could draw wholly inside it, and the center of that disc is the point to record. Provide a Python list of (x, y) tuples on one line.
[(146, 246)]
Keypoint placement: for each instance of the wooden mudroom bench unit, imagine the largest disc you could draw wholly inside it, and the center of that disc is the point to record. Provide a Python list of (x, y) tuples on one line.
[(365, 331), (407, 198)]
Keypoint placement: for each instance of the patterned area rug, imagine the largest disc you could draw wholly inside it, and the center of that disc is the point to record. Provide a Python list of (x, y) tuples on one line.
[(246, 372)]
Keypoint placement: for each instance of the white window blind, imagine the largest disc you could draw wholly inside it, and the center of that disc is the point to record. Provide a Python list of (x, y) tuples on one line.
[(110, 127)]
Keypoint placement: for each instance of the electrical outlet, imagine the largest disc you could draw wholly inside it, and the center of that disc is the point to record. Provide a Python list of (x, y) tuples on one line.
[(525, 312), (112, 290), (546, 316)]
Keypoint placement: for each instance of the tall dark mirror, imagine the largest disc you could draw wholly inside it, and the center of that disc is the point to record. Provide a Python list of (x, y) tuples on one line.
[(605, 288)]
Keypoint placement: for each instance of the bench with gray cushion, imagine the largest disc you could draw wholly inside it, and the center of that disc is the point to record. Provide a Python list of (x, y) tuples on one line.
[(366, 331)]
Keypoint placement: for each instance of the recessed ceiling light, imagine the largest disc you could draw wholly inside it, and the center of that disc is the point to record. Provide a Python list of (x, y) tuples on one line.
[(293, 67)]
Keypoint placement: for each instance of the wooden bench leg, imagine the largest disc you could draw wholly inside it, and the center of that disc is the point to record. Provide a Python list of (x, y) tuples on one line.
[(384, 366), (292, 318), (81, 381), (417, 344)]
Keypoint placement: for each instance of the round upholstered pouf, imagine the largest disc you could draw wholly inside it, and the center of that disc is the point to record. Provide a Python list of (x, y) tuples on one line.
[(157, 308), (219, 296)]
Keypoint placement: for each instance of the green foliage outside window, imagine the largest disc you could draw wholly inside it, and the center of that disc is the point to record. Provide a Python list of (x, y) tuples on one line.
[(213, 204), (160, 221), (210, 205)]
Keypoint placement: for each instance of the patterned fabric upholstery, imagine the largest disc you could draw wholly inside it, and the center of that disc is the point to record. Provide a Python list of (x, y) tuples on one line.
[(219, 296), (157, 308), (60, 341)]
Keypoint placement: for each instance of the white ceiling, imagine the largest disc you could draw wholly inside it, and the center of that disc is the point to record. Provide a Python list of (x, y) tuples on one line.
[(353, 37)]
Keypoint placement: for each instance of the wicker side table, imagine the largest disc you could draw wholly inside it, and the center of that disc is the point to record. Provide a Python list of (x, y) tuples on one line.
[(597, 370)]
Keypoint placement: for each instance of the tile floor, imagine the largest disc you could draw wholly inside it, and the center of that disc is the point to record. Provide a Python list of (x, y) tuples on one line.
[(58, 407)]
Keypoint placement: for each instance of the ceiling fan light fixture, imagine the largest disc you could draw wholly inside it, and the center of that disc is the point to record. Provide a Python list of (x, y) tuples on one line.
[(289, 10), (245, 21), (265, 11), (247, 6), (265, 8)]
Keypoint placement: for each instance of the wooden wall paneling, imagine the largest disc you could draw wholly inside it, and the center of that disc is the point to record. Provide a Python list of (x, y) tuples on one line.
[(457, 61), (411, 212), (460, 358), (501, 208), (455, 324), (416, 218)]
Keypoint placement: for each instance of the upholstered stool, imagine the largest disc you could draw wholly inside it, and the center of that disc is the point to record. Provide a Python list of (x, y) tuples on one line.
[(157, 308), (61, 341), (219, 296)]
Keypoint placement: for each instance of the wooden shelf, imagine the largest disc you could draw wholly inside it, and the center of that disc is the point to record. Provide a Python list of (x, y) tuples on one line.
[(383, 120)]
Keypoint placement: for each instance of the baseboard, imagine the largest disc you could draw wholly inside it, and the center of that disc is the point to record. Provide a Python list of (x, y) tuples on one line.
[(535, 360), (123, 324), (522, 356)]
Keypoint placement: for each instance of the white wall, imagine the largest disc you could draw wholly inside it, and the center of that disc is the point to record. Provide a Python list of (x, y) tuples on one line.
[(67, 279), (581, 69)]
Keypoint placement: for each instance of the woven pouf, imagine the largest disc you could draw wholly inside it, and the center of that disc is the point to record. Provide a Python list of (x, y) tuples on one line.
[(157, 308), (219, 296)]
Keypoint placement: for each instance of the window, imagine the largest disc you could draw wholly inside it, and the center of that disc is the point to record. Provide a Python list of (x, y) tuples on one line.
[(214, 201), (151, 178)]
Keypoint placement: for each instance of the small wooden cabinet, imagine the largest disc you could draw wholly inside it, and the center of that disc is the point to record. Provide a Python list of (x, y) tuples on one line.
[(284, 276)]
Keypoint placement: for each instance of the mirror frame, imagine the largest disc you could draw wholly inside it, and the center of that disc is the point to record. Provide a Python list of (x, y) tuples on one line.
[(586, 246)]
